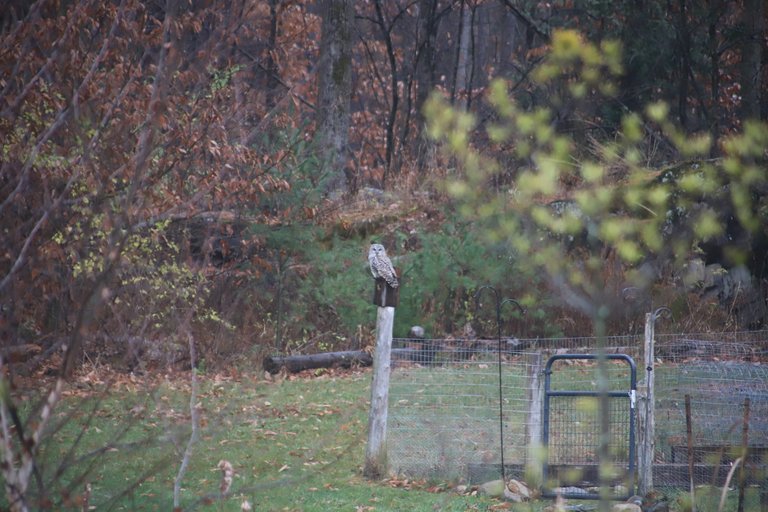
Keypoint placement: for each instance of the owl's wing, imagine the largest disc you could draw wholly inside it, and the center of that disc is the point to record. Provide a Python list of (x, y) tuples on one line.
[(388, 272)]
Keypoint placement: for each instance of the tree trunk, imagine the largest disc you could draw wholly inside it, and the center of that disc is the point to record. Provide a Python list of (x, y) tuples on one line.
[(472, 58), (461, 72), (386, 34), (271, 65), (715, 13), (751, 58), (334, 90), (426, 62), (426, 56), (684, 40)]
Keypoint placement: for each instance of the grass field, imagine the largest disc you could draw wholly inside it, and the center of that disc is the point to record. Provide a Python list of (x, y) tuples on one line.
[(295, 445)]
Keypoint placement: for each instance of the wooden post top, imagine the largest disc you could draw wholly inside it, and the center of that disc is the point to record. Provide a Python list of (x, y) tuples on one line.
[(384, 295)]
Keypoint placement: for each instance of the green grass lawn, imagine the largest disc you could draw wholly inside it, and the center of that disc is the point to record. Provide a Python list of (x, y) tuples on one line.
[(294, 445)]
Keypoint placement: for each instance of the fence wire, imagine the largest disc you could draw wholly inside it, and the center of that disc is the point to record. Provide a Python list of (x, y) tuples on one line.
[(725, 378), (444, 404)]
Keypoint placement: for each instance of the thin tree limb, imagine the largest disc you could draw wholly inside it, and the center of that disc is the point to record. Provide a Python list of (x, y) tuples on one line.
[(195, 418)]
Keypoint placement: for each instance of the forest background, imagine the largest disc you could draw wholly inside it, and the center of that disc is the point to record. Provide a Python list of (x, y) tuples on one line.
[(209, 174), (194, 184)]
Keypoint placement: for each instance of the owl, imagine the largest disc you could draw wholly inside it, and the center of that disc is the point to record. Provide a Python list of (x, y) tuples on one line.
[(381, 267)]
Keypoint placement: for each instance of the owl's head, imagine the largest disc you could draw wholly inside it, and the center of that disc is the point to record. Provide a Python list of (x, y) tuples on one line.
[(376, 250)]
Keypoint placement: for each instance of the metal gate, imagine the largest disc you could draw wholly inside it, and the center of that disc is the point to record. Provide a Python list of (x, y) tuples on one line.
[(572, 426)]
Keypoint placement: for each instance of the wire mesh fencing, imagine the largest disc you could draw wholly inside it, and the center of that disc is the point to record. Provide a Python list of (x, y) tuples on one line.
[(724, 379), (451, 410), (445, 405)]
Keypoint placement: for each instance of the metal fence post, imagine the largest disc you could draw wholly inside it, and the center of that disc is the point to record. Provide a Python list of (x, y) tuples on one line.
[(499, 302)]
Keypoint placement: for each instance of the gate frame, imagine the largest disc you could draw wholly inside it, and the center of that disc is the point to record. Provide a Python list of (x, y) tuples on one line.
[(631, 394)]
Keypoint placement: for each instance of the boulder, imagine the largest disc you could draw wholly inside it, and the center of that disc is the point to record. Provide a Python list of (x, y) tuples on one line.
[(493, 489), (519, 488), (512, 496)]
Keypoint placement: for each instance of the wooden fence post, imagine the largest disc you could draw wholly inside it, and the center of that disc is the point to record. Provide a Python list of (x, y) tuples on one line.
[(745, 455), (376, 449), (689, 437), (646, 421), (535, 458)]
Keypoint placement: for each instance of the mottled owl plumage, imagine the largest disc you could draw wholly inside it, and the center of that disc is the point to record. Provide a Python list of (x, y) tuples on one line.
[(381, 266)]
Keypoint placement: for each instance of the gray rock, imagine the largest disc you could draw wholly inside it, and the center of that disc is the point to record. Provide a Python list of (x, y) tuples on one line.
[(512, 496), (519, 488), (493, 489)]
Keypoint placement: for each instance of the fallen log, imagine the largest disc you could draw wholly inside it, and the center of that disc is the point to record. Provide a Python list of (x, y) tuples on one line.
[(424, 353), (344, 359), (294, 364), (19, 353)]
